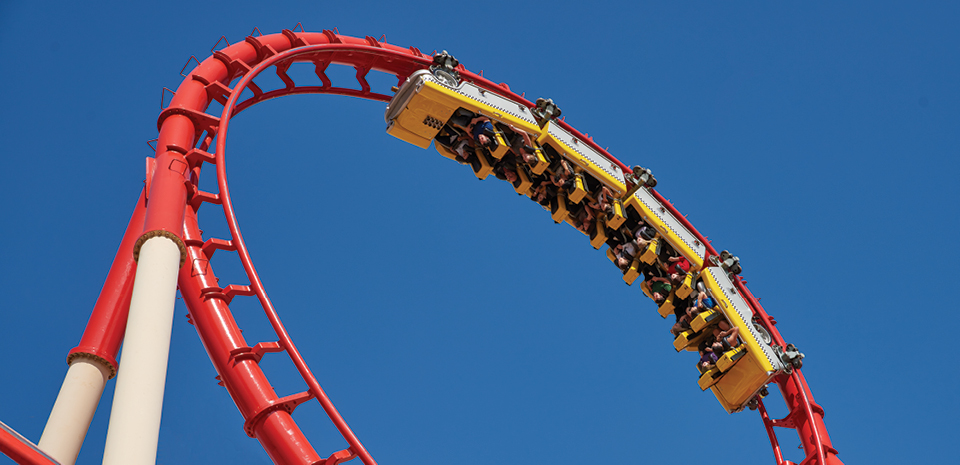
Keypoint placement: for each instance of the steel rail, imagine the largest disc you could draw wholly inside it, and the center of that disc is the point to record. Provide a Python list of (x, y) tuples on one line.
[(237, 238), (183, 122)]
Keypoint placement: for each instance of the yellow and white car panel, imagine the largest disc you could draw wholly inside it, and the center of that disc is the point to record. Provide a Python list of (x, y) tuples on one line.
[(753, 370), (423, 104), (656, 215), (584, 156)]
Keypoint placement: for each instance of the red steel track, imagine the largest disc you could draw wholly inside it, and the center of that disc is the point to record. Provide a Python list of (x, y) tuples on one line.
[(186, 133)]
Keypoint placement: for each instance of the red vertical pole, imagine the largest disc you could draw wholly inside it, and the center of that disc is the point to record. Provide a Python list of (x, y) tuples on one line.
[(104, 332)]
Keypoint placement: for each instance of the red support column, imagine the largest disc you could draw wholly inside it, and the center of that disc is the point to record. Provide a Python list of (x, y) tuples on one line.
[(134, 429), (104, 333)]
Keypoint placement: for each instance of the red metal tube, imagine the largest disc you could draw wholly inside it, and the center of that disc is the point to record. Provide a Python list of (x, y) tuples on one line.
[(168, 194), (243, 378), (807, 417), (770, 433), (104, 332), (22, 451)]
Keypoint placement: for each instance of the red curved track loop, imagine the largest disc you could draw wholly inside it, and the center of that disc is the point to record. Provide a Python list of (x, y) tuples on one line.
[(187, 131)]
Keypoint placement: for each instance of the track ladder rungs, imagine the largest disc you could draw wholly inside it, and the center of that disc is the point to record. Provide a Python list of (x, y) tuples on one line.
[(282, 74), (196, 196), (234, 290), (287, 404), (197, 156), (227, 293), (256, 352), (212, 245), (340, 457)]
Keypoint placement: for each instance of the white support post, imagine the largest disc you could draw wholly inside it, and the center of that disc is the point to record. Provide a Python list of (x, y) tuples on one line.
[(138, 401), (73, 411)]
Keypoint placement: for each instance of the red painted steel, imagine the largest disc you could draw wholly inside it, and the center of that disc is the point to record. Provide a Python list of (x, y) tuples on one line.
[(22, 451), (266, 416), (168, 194), (768, 424), (285, 341), (242, 377), (104, 332)]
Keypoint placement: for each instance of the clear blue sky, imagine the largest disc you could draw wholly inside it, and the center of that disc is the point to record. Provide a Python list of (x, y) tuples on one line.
[(449, 319)]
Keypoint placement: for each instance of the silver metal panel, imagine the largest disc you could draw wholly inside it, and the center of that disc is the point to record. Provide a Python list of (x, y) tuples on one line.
[(498, 102), (740, 306), (409, 88), (503, 105), (644, 196)]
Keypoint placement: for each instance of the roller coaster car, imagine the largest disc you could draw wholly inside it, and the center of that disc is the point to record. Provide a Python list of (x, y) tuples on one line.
[(425, 102), (751, 365), (556, 140), (644, 206)]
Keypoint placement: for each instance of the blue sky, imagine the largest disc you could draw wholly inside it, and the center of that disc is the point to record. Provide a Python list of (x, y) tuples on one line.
[(450, 320)]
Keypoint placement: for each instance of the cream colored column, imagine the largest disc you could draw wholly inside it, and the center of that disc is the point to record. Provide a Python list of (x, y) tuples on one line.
[(71, 415), (138, 401)]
